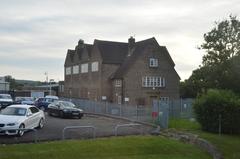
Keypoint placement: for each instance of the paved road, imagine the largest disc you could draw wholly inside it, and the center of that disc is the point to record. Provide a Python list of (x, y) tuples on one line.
[(54, 126)]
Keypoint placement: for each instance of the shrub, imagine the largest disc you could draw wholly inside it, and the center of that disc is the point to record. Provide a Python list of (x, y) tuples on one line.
[(215, 103)]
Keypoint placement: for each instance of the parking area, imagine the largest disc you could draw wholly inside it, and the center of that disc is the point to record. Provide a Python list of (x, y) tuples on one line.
[(54, 126)]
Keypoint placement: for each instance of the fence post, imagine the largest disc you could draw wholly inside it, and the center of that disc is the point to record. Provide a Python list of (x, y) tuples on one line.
[(137, 111), (121, 110), (219, 124)]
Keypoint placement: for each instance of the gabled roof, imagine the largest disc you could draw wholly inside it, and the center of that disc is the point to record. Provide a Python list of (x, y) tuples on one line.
[(139, 48), (69, 57), (112, 52)]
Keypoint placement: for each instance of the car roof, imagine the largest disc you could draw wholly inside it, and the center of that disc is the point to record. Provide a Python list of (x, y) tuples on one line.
[(53, 97), (21, 106), (6, 94)]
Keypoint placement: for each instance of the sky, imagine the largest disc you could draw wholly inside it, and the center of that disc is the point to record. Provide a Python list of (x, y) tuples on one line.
[(35, 35)]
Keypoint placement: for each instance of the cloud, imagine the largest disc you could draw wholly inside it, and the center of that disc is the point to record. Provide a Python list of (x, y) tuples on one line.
[(33, 32)]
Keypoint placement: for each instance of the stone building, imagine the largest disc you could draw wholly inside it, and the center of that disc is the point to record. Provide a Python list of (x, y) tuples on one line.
[(120, 72)]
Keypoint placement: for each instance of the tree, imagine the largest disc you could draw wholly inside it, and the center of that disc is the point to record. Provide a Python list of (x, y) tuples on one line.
[(221, 64), (13, 84), (222, 42)]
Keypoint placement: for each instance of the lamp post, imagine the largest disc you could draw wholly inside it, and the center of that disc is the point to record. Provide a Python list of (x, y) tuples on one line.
[(51, 80)]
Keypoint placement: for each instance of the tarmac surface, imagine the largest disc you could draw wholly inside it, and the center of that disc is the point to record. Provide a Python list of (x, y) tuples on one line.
[(53, 129)]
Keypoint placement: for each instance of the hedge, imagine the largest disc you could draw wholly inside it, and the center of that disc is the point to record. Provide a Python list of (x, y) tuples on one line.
[(218, 109)]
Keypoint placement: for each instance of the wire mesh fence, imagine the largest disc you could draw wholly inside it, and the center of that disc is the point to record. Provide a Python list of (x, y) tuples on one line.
[(182, 108)]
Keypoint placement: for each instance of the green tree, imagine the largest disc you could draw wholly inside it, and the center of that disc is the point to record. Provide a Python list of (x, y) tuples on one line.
[(221, 64), (13, 84), (222, 42)]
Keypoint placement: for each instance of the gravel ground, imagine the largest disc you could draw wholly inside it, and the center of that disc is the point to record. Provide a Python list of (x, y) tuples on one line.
[(54, 126)]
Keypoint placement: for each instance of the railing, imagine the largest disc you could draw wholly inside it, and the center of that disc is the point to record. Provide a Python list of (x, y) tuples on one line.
[(78, 127), (126, 125)]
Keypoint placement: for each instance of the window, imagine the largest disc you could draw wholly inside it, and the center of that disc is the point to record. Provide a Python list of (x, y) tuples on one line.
[(163, 82), (119, 99), (84, 68), (118, 83), (76, 69), (153, 62), (153, 81), (34, 110), (164, 100), (94, 66), (68, 70)]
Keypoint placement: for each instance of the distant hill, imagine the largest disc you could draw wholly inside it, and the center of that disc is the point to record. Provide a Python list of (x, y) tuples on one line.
[(28, 82)]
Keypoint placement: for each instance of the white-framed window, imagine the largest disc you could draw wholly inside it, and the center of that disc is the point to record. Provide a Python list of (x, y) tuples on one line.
[(164, 99), (68, 70), (119, 99), (153, 81), (118, 83), (84, 68), (94, 66), (76, 69), (153, 62)]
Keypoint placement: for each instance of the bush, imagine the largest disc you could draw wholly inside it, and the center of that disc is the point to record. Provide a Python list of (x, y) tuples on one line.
[(215, 103)]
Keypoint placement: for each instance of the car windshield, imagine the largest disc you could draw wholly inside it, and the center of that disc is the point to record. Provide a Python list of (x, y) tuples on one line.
[(67, 104), (14, 111), (3, 96), (28, 99)]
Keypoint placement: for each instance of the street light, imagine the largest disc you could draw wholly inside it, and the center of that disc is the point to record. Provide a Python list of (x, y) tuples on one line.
[(51, 80)]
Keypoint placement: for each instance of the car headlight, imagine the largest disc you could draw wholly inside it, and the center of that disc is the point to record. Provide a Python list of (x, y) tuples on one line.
[(11, 124)]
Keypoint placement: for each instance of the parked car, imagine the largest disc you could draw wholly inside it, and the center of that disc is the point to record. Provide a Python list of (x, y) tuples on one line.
[(20, 117), (24, 100), (42, 103), (5, 100), (64, 109)]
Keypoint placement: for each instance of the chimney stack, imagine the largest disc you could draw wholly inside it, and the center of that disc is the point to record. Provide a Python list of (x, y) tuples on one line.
[(81, 44), (131, 45)]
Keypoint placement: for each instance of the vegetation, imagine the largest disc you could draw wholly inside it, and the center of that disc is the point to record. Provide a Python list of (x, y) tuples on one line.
[(218, 110), (227, 144), (221, 64), (115, 148)]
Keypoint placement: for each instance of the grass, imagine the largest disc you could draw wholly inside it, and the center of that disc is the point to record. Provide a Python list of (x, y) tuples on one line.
[(134, 147), (229, 145)]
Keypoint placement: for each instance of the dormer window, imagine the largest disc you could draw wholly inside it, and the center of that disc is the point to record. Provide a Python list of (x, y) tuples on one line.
[(118, 83), (153, 62)]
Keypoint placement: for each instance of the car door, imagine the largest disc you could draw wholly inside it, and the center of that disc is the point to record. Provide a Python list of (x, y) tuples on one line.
[(36, 116), (32, 117), (29, 119)]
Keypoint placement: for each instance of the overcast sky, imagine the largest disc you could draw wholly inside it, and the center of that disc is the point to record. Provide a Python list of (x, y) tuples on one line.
[(35, 34)]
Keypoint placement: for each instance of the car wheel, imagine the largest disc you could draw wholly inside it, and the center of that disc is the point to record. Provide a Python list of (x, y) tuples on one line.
[(61, 114), (42, 108), (41, 123), (21, 132)]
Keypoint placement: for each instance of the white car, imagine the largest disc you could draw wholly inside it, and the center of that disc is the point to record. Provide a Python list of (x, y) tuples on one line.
[(20, 117)]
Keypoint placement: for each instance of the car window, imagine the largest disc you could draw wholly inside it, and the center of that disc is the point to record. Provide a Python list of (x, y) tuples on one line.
[(5, 96), (14, 111), (34, 110)]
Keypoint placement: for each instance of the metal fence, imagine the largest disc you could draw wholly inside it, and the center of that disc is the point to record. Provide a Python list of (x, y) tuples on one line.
[(136, 113), (181, 108)]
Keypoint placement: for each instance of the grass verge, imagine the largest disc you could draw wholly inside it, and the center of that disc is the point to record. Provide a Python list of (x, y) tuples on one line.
[(134, 147), (229, 145)]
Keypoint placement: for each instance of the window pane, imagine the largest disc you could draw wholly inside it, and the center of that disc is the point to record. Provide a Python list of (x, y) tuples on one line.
[(84, 68)]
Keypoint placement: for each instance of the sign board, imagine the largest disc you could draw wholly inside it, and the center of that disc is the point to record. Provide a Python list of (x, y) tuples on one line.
[(126, 99), (37, 94), (104, 98)]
